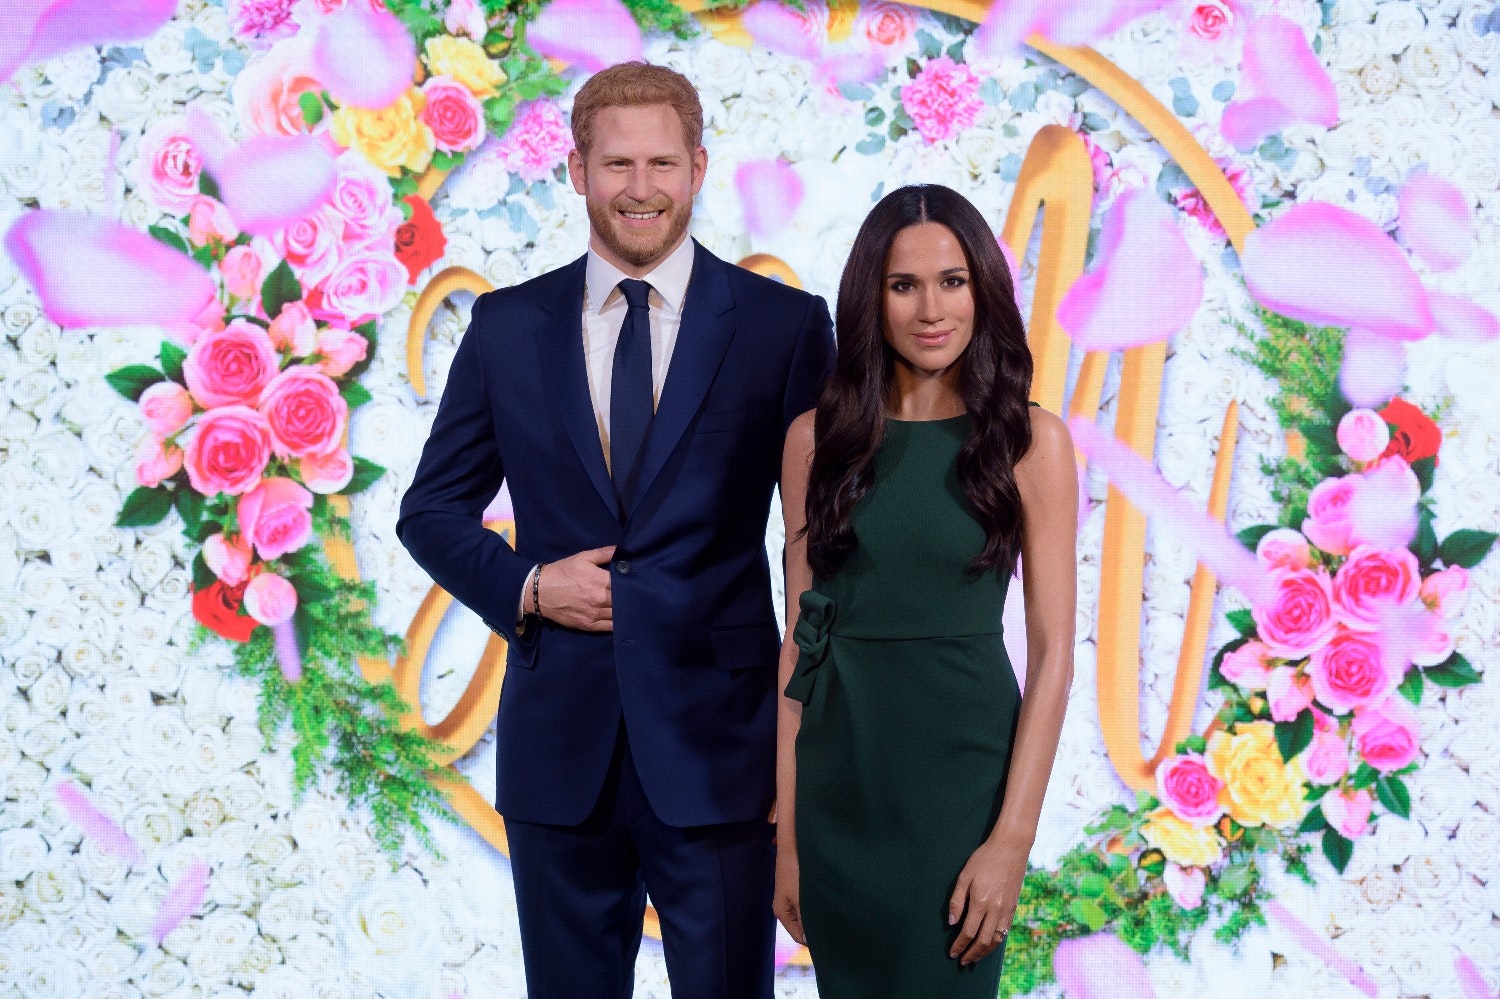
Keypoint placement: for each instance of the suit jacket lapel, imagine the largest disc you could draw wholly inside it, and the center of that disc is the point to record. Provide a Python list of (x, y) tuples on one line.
[(559, 341), (702, 340)]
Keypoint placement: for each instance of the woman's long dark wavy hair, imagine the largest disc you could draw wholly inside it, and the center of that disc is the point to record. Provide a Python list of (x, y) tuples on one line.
[(994, 380)]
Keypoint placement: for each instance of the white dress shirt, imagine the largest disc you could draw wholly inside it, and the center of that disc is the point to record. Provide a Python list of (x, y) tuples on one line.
[(604, 310)]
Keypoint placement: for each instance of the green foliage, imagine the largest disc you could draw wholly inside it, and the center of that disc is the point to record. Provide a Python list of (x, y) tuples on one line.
[(280, 287), (1292, 737), (144, 507), (1466, 547), (171, 357), (133, 379)]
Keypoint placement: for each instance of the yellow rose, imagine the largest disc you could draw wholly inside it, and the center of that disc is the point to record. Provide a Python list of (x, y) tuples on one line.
[(390, 138), (1184, 845), (841, 17), (1259, 787), (464, 60), (725, 25)]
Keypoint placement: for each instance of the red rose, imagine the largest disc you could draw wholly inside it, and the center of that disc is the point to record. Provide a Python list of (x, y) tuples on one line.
[(220, 609), (420, 240), (1413, 435)]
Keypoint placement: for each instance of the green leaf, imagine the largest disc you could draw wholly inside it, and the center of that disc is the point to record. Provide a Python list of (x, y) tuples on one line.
[(190, 503), (1364, 776), (166, 236), (355, 394), (1193, 744), (1093, 885), (207, 185), (1466, 547), (446, 161), (874, 116), (312, 107), (1320, 436), (1424, 469), (1313, 821), (870, 145), (1455, 671), (1394, 796), (1234, 881), (280, 287), (1424, 546), (1242, 620), (1337, 849), (144, 507), (1250, 536), (203, 576), (1411, 687), (1292, 737), (172, 357), (365, 474), (1088, 912), (133, 379)]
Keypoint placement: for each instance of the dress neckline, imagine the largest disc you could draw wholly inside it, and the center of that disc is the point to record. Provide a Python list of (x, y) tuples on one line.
[(946, 419)]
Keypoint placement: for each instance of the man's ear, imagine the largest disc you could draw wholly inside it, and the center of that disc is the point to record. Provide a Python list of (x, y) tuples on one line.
[(576, 172)]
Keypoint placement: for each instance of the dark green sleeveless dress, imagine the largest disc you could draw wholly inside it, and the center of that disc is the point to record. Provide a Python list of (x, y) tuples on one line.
[(909, 719)]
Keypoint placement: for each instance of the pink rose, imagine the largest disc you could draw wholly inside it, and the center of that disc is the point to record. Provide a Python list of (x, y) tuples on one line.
[(242, 270), (1185, 885), (1300, 617), (1352, 671), (326, 473), (1371, 581), (209, 221), (229, 451), (230, 367), (305, 412), (1211, 21), (1363, 434), (1386, 735), (1194, 204), (166, 407), (454, 114), (1247, 667), (228, 556), (293, 330), (168, 166), (1326, 759), (263, 18), (274, 517), (340, 350), (536, 143), (466, 17), (886, 25), (1431, 639), (313, 246), (267, 91), (1288, 693), (1284, 548), (1189, 789), (210, 320), (156, 461), (1447, 590), (363, 287), (1328, 509), (362, 197), (1348, 811), (270, 599), (943, 99), (1383, 511)]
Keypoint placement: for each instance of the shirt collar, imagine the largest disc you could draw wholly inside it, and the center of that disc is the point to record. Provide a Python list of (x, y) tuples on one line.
[(669, 279)]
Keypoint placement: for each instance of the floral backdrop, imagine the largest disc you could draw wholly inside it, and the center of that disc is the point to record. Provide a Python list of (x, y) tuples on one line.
[(219, 217)]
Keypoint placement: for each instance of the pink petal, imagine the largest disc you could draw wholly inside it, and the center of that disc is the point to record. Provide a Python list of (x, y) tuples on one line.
[(1436, 221), (181, 901), (96, 825), (1471, 981), (1143, 485), (1141, 246), (1279, 69), (853, 67), (91, 271), (30, 31), (1319, 947), (588, 34), (1374, 368), (364, 56), (1013, 628), (268, 182), (780, 29), (786, 947), (288, 655), (1326, 265), (770, 192), (1100, 967), (1383, 511), (1066, 22), (1460, 318)]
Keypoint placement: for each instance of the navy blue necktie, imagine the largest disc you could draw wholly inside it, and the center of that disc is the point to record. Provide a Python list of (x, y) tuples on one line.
[(630, 393)]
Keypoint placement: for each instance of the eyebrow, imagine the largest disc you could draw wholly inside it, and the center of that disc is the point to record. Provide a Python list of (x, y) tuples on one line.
[(674, 157), (946, 273)]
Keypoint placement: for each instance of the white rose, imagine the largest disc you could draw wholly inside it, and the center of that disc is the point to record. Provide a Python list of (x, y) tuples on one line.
[(726, 66), (172, 592), (47, 741), (82, 657), (1398, 25), (259, 958), (167, 977), (99, 868), (244, 798), (12, 904), (165, 52), (285, 912), (49, 694), (154, 825), (151, 562), (161, 668), (125, 97), (54, 889), (21, 850), (202, 813), (238, 886), (111, 959), (50, 975), (1380, 77), (283, 982), (1353, 46), (161, 736), (223, 940), (388, 931), (271, 847), (73, 73), (1380, 890), (1431, 64), (315, 954)]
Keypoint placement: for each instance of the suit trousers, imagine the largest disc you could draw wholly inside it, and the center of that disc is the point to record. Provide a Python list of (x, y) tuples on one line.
[(581, 897)]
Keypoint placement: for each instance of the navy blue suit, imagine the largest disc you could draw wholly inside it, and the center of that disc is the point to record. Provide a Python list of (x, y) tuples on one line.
[(690, 666)]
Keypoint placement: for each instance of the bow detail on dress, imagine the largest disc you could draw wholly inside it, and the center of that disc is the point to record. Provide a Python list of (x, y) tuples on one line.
[(814, 626)]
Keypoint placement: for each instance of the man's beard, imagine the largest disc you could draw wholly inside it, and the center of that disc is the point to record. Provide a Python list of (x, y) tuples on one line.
[(638, 248)]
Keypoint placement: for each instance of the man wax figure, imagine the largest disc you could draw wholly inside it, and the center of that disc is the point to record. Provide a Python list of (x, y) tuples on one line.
[(635, 401)]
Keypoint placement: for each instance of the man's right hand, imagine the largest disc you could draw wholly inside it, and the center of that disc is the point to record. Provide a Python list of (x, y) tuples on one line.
[(575, 591)]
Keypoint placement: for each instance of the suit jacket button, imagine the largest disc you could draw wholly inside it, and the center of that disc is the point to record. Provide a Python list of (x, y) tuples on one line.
[(622, 567)]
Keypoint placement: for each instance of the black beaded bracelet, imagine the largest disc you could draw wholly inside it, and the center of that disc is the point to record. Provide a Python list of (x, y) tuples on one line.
[(536, 591)]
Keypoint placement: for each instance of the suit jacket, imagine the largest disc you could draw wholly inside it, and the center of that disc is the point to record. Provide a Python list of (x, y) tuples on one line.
[(691, 663)]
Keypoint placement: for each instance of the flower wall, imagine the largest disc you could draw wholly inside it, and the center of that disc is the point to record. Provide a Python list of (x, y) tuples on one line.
[(218, 224)]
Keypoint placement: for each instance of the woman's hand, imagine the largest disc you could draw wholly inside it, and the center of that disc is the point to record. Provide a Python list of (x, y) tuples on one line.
[(988, 888), (786, 900)]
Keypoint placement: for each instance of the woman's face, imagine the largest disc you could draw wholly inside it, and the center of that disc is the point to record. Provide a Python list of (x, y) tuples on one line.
[(928, 303)]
